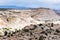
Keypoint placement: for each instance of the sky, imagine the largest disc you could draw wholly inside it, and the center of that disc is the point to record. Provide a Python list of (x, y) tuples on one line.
[(53, 4)]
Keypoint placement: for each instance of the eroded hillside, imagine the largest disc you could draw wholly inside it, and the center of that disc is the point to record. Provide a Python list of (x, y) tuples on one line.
[(12, 20)]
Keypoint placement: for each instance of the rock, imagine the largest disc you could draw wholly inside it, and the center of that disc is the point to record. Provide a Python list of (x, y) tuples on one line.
[(36, 24)]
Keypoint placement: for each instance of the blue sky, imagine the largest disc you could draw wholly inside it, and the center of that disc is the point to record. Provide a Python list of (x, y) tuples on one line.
[(54, 4)]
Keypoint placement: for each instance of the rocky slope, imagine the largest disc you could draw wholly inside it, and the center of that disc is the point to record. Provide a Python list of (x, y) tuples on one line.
[(12, 21), (35, 32)]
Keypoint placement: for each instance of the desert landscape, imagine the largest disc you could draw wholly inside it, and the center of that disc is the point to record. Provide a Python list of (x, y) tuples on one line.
[(29, 24)]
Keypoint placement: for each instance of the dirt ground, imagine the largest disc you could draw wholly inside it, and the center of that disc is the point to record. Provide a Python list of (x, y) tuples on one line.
[(35, 32)]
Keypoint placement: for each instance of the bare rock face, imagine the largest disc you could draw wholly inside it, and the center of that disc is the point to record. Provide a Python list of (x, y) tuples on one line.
[(13, 20), (45, 14)]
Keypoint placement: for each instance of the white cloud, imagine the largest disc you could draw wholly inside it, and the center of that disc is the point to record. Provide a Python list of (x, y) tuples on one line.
[(32, 3), (6, 2), (50, 1), (29, 2)]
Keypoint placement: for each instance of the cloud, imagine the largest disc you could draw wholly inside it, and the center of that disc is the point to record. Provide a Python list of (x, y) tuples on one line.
[(6, 2), (50, 1), (32, 3)]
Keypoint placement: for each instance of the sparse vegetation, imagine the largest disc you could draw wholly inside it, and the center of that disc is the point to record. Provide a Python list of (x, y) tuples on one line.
[(40, 24), (26, 30), (34, 24), (57, 30), (5, 33), (41, 38)]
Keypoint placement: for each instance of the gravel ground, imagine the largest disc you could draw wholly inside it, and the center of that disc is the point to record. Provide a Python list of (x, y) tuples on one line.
[(35, 32)]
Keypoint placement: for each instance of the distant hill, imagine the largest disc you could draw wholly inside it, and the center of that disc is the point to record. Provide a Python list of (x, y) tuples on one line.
[(57, 12), (44, 14), (13, 7)]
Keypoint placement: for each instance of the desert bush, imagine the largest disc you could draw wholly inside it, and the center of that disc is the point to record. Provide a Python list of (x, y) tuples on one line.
[(58, 31), (41, 38)]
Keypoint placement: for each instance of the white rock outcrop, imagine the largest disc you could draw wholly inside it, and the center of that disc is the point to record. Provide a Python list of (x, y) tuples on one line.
[(18, 19)]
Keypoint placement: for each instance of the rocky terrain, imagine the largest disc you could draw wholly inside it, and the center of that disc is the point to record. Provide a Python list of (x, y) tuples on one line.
[(32, 24), (35, 32)]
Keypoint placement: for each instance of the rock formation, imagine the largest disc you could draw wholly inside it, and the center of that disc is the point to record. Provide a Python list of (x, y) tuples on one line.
[(12, 20)]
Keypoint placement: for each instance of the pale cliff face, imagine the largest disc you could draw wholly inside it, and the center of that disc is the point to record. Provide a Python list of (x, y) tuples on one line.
[(18, 19)]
